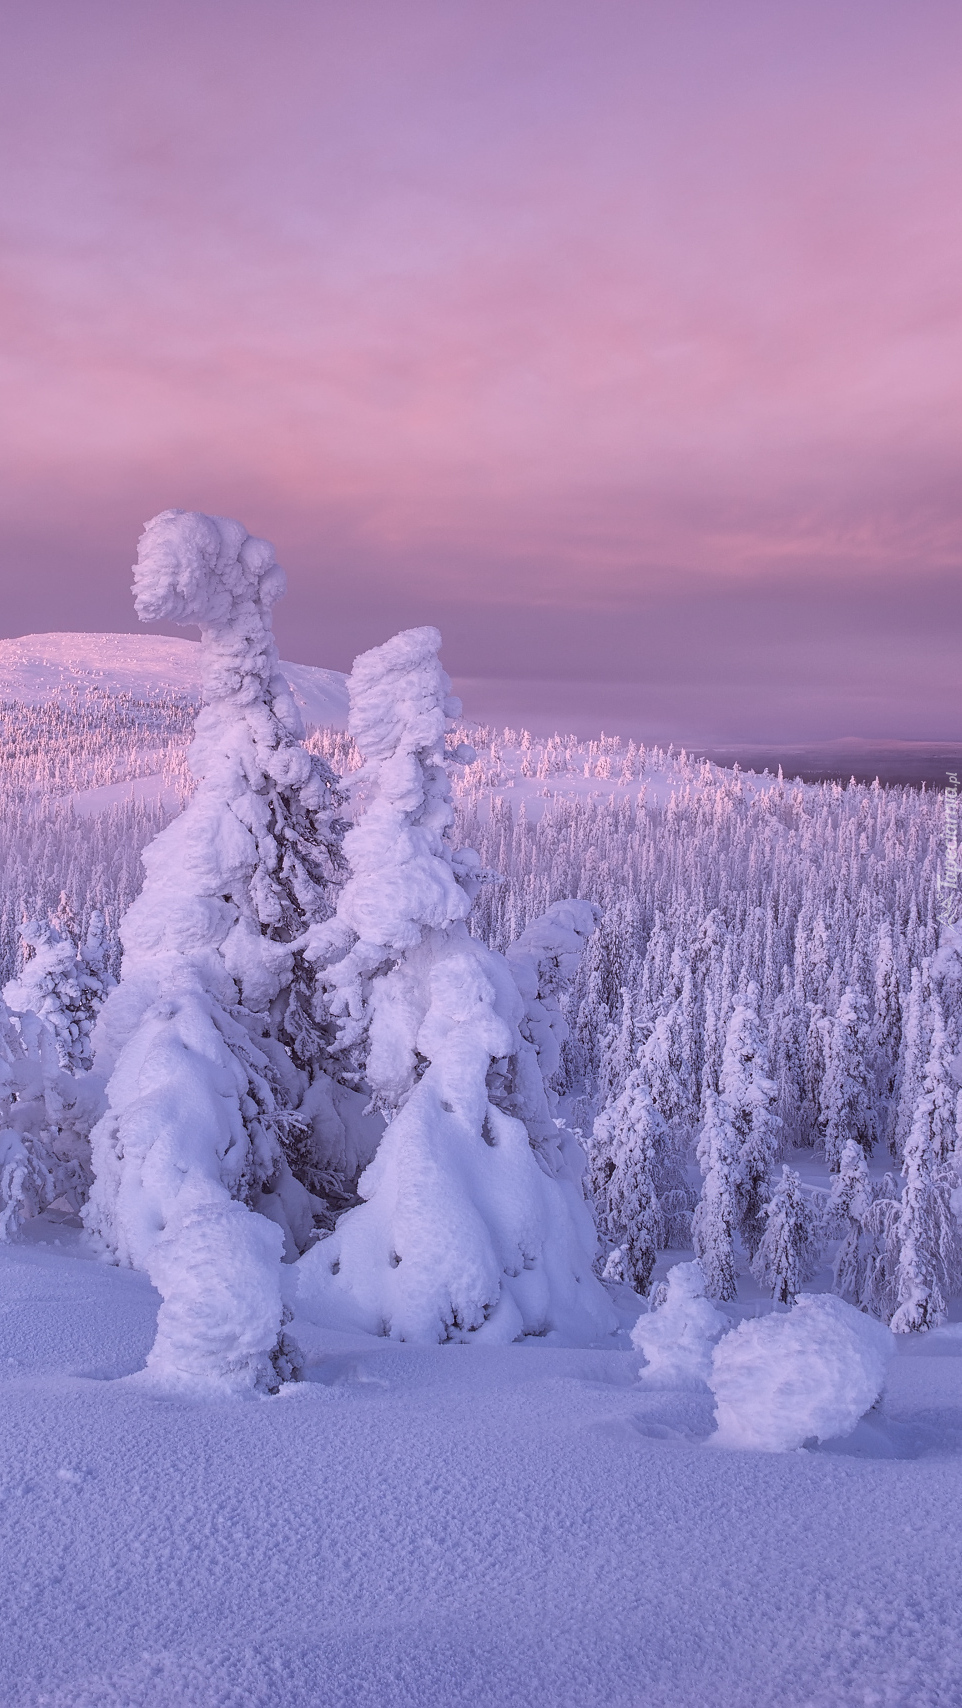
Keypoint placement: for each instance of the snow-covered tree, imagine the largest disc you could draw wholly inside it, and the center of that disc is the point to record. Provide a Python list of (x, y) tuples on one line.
[(913, 1056), (53, 1004), (191, 1146), (466, 1230), (715, 1221), (545, 960), (845, 1102), (662, 1059), (26, 1181), (63, 984), (929, 1236), (750, 1099), (789, 1248), (887, 1022), (629, 1147), (847, 1213)]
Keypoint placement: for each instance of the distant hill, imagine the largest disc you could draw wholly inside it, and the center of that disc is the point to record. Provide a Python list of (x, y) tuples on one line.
[(913, 762), (38, 668)]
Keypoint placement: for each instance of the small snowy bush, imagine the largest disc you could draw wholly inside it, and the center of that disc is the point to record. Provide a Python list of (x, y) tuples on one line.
[(678, 1336), (808, 1374)]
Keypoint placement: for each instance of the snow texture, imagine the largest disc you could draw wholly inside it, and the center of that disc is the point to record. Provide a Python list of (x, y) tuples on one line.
[(450, 1527), (782, 1380)]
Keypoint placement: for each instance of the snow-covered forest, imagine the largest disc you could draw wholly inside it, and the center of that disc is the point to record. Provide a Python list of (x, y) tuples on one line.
[(798, 924), (536, 1115)]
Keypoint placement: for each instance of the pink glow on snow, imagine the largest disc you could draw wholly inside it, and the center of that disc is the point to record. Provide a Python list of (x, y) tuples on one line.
[(556, 305)]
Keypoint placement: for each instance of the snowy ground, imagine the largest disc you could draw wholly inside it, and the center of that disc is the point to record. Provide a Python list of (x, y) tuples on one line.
[(455, 1526)]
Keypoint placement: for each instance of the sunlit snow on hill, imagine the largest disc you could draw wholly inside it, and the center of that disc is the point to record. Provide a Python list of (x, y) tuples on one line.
[(35, 669)]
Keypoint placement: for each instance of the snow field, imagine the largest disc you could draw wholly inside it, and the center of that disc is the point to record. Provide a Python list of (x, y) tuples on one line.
[(459, 1527)]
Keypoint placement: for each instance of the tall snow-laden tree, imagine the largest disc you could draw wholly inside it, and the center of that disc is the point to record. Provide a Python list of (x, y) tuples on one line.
[(786, 1052), (847, 1212), (845, 1103), (661, 1055), (466, 1230), (929, 1235), (630, 1148), (887, 1022), (715, 1221), (788, 1251), (913, 1056), (750, 1098), (201, 1090)]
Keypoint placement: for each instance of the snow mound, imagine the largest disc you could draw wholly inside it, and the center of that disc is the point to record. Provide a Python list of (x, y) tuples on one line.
[(677, 1337), (781, 1380), (37, 668)]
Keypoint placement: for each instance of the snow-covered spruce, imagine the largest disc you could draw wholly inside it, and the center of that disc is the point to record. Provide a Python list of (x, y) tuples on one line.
[(26, 1180), (472, 1226), (929, 1235), (715, 1221), (63, 984), (628, 1147), (750, 1097), (789, 1249), (846, 1105), (191, 1145), (847, 1212)]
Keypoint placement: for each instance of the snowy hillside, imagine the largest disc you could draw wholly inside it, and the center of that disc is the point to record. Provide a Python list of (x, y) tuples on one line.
[(38, 669)]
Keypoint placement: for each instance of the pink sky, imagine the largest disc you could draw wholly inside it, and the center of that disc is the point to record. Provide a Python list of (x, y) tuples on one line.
[(623, 340)]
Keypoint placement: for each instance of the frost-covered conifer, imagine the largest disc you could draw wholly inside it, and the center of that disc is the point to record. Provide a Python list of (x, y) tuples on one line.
[(913, 1057), (26, 1182), (788, 1251), (715, 1221), (887, 1025), (786, 1051), (469, 1227), (62, 985), (200, 1084), (619, 1049), (845, 1101), (628, 1151), (750, 1098), (847, 1214), (661, 1055), (544, 962), (929, 1236), (816, 1052)]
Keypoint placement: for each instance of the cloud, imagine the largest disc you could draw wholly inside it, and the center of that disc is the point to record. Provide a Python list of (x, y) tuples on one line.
[(560, 320)]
